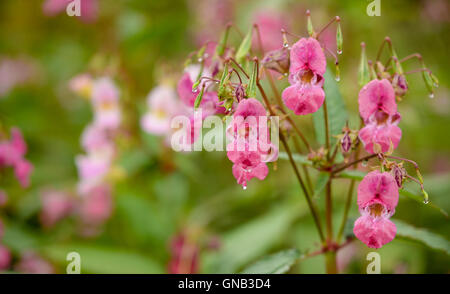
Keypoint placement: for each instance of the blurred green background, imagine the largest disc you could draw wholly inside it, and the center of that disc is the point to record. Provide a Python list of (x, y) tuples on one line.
[(164, 193)]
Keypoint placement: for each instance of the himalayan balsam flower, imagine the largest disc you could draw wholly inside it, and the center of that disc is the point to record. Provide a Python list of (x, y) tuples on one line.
[(31, 263), (163, 106), (12, 154), (308, 65), (248, 135), (378, 109), (377, 199), (56, 205), (88, 8), (105, 100)]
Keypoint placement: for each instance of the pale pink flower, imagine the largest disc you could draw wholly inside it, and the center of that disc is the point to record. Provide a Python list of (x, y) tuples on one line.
[(270, 24), (375, 97), (56, 205), (88, 8), (93, 168), (105, 99), (377, 199), (31, 263), (5, 258), (94, 137), (163, 105), (82, 85), (97, 206), (307, 67), (15, 72)]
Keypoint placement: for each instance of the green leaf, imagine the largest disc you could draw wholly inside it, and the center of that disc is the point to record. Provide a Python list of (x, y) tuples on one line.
[(245, 46), (337, 113), (278, 263), (251, 240), (424, 236), (104, 260), (321, 182)]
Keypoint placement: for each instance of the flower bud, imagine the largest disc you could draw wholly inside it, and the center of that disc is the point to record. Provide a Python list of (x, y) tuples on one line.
[(277, 60), (363, 73), (400, 85), (399, 175), (346, 143), (239, 92)]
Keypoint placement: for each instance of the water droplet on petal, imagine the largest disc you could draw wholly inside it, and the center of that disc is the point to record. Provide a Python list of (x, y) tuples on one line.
[(431, 96), (339, 52)]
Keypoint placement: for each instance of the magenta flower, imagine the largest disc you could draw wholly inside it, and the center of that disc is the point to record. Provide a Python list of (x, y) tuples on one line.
[(377, 199), (378, 109), (250, 148), (12, 154), (56, 205), (88, 8), (5, 258), (307, 67), (377, 97)]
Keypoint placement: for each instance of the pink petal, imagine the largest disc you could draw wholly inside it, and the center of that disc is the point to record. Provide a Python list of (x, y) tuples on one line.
[(374, 232), (307, 54), (377, 95), (302, 100), (378, 187)]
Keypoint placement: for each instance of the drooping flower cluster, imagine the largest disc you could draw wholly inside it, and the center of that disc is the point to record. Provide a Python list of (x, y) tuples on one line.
[(98, 141), (377, 199), (12, 154), (307, 67), (378, 109), (250, 147)]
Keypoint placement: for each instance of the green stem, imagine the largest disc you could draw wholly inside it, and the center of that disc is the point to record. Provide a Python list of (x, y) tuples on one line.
[(330, 262), (329, 212)]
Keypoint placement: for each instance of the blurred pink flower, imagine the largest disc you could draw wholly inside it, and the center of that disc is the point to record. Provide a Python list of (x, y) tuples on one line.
[(270, 24), (93, 168), (88, 8), (184, 255), (380, 138), (377, 199), (96, 207), (14, 72), (94, 137), (307, 67), (163, 106), (82, 85), (5, 258), (56, 205), (12, 154), (31, 263), (105, 100)]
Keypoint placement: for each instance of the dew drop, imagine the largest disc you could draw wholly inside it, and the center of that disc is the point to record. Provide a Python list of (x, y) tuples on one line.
[(285, 74), (195, 90), (339, 52), (285, 45), (364, 163), (338, 79), (426, 201), (431, 96), (436, 85), (244, 187), (200, 59)]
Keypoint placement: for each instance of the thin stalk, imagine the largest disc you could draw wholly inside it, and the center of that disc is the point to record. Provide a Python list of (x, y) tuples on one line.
[(327, 132), (330, 261), (329, 212), (353, 162), (294, 166), (327, 25)]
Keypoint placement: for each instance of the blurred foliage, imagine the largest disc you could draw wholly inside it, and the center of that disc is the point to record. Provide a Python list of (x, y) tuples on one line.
[(164, 192)]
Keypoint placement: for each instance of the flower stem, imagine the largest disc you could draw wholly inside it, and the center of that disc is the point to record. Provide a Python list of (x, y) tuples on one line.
[(330, 262)]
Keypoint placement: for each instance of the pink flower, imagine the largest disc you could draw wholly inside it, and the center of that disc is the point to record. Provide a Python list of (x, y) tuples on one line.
[(15, 72), (210, 102), (250, 148), (307, 67), (377, 96), (377, 199), (94, 137), (380, 138), (56, 205), (82, 85), (31, 263), (5, 258), (88, 8), (97, 206), (93, 168), (163, 105), (184, 255), (105, 99), (270, 24), (12, 155)]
